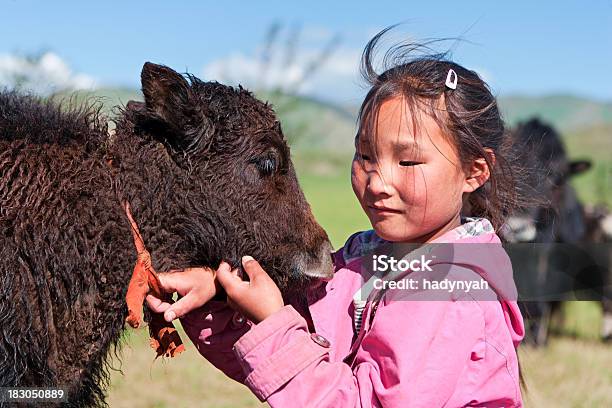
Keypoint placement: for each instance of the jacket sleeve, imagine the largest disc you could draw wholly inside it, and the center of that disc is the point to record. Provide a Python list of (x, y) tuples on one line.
[(213, 329), (412, 356)]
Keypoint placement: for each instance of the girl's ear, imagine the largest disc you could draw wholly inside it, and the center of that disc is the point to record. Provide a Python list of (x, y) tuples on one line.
[(479, 172)]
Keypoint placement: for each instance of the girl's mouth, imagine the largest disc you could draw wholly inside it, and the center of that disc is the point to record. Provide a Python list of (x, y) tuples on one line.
[(382, 209)]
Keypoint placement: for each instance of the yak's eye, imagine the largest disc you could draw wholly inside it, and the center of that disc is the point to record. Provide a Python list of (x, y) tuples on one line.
[(266, 165)]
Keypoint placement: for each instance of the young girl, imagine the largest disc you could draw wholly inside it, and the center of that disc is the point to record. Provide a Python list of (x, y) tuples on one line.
[(430, 149)]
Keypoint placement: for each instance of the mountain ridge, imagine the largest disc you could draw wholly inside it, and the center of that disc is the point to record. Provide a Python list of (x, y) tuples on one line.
[(312, 124)]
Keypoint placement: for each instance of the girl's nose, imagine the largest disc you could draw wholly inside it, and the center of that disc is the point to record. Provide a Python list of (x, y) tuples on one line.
[(379, 183)]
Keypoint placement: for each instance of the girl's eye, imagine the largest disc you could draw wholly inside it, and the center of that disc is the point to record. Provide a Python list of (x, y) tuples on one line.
[(408, 163), (364, 156)]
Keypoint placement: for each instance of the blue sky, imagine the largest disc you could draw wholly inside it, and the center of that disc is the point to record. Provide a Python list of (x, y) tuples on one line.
[(527, 47)]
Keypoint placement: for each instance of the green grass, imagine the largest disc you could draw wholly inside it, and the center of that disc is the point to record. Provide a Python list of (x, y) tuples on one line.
[(575, 370), (335, 207), (187, 380), (594, 143), (582, 320), (326, 181), (568, 373)]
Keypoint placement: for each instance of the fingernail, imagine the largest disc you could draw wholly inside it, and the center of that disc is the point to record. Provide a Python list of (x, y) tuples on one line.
[(170, 316), (247, 258), (224, 265)]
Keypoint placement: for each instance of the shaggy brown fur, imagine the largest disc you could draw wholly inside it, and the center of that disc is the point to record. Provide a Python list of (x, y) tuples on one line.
[(208, 175)]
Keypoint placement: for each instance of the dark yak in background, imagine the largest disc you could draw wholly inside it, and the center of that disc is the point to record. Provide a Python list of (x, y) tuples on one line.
[(599, 232), (555, 216), (208, 175)]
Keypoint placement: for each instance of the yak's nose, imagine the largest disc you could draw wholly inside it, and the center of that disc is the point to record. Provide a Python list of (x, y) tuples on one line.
[(520, 229), (321, 267)]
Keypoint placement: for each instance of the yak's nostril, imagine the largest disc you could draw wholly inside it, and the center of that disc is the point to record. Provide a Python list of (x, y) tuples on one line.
[(321, 267)]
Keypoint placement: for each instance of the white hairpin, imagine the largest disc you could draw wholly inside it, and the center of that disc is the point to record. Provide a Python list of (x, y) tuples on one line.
[(451, 79)]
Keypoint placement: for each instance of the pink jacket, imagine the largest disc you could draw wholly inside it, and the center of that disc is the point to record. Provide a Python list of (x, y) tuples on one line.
[(460, 351)]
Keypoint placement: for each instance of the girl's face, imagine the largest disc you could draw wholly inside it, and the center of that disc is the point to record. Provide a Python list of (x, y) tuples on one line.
[(411, 187)]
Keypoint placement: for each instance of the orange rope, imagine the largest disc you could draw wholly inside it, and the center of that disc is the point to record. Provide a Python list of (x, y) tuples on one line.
[(164, 337)]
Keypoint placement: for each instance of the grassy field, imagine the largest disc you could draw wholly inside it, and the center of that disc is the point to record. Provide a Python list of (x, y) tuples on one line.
[(595, 144), (575, 370)]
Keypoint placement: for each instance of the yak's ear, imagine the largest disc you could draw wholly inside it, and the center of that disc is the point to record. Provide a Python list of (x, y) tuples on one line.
[(579, 166), (166, 94), (136, 106), (169, 113)]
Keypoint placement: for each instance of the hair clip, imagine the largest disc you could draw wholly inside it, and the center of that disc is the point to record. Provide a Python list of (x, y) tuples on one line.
[(451, 79)]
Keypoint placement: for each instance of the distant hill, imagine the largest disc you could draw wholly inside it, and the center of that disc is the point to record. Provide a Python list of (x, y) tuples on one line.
[(311, 124), (566, 112), (308, 124), (109, 97)]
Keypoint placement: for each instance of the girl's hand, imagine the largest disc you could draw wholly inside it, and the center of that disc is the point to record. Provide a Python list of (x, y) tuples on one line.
[(256, 299), (195, 285)]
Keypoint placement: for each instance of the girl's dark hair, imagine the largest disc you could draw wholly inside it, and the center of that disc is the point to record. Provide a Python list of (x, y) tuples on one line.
[(468, 115)]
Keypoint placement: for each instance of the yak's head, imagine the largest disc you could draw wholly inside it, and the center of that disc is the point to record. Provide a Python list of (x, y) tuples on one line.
[(555, 213), (235, 190)]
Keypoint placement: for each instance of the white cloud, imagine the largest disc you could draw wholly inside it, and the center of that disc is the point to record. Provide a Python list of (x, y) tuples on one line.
[(336, 79), (42, 74)]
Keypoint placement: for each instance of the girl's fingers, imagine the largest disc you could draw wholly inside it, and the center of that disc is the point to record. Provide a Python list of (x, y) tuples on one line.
[(171, 281), (157, 305), (252, 268), (186, 304), (182, 280), (228, 279)]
